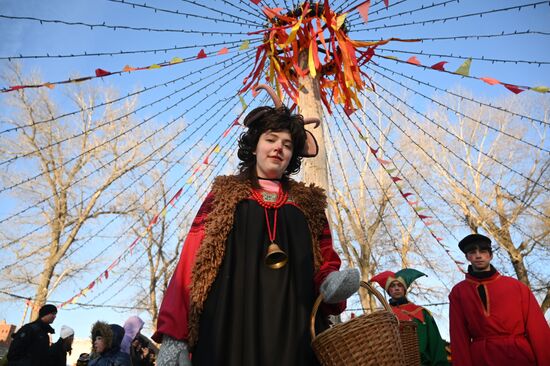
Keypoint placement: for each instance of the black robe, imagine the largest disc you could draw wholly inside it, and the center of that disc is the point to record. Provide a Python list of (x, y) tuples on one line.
[(255, 315)]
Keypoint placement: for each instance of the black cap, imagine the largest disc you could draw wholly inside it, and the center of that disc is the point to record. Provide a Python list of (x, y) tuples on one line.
[(481, 241)]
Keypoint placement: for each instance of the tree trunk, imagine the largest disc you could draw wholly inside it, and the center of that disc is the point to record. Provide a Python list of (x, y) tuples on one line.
[(309, 104), (42, 290)]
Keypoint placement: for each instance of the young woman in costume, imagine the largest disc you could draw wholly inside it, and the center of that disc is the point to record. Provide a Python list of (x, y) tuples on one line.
[(257, 255)]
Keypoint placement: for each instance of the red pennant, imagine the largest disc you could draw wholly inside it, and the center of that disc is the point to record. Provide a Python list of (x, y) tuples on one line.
[(387, 3), (256, 2), (439, 66), (17, 87), (178, 194), (364, 10), (236, 122), (106, 275), (396, 179), (154, 220), (373, 151), (405, 195), (91, 285), (101, 72), (349, 111), (201, 54), (413, 60), (223, 51), (514, 89), (205, 161), (424, 217)]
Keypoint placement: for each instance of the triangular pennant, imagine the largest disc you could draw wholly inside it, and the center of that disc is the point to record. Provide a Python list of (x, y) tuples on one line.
[(405, 195), (396, 179), (439, 66), (205, 161), (201, 54), (223, 51), (154, 66), (176, 60), (513, 88), (190, 180), (541, 89), (364, 10), (413, 60), (217, 149), (243, 103), (256, 2), (490, 81), (245, 45), (464, 69), (101, 72), (129, 68), (373, 151), (383, 162)]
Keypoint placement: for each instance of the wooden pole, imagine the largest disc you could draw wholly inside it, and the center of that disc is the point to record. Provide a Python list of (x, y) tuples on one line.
[(309, 105)]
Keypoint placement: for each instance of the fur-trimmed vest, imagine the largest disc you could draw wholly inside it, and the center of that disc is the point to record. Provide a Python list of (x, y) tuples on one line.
[(228, 191)]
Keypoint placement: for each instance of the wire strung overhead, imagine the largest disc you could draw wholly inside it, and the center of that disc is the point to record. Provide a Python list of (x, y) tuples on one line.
[(141, 32)]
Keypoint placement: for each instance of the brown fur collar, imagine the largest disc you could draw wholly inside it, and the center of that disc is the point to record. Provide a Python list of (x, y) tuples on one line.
[(228, 191)]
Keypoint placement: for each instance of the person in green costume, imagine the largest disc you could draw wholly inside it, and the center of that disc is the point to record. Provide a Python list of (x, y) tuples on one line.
[(431, 345)]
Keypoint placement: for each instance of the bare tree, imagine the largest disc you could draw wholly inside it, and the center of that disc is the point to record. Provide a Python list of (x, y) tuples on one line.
[(62, 174), (161, 255), (494, 168)]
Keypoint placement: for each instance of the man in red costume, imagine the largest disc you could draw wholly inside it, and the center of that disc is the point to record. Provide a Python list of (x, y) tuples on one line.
[(430, 343), (495, 319)]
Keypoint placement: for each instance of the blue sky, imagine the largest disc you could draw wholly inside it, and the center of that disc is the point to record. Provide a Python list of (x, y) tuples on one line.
[(23, 37)]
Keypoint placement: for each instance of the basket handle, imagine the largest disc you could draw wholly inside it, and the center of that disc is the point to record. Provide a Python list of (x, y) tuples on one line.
[(363, 284)]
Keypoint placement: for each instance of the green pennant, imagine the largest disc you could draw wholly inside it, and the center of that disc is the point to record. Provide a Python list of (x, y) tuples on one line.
[(244, 45), (464, 69), (243, 103), (541, 89)]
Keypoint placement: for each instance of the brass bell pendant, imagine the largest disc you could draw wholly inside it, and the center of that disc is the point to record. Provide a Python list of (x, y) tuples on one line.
[(275, 257)]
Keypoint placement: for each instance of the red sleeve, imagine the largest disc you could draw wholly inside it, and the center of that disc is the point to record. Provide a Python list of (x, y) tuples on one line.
[(173, 314), (330, 263), (460, 338), (536, 327)]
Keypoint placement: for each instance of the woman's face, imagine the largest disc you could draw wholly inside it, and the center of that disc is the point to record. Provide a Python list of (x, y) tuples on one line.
[(99, 344), (273, 154)]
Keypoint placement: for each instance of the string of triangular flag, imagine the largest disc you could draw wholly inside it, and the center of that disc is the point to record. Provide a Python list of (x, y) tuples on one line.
[(464, 70), (407, 196), (100, 73)]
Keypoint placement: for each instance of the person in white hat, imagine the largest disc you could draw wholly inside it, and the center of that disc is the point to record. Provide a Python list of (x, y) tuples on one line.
[(58, 351)]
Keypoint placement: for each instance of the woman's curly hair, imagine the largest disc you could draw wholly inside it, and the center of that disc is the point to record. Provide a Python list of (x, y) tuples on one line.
[(264, 119)]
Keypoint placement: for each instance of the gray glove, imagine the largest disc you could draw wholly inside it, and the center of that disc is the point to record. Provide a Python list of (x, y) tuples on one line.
[(173, 353), (340, 285)]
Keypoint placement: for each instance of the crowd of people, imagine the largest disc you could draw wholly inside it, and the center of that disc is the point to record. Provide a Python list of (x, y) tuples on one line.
[(259, 253), (112, 344)]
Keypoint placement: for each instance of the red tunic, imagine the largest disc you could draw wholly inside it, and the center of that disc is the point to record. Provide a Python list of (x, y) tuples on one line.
[(174, 311), (512, 330)]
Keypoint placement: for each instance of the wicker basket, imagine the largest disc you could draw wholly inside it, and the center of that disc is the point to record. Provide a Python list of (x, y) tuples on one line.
[(368, 340), (409, 339)]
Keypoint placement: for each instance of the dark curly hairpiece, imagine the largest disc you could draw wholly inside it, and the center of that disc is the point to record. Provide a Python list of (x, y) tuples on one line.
[(264, 119)]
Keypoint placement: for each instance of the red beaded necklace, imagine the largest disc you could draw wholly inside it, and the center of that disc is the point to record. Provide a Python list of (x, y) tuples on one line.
[(281, 199)]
